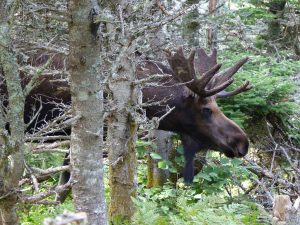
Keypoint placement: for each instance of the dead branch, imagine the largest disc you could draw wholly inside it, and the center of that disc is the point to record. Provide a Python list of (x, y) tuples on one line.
[(153, 102), (151, 78), (50, 147), (264, 173), (35, 81), (51, 150), (41, 196), (33, 178), (58, 123), (167, 113), (47, 138), (48, 171), (166, 20)]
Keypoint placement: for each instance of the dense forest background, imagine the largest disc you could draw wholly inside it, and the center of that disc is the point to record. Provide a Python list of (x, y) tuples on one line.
[(40, 39)]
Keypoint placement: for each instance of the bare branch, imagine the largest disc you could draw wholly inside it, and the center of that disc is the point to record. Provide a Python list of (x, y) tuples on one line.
[(50, 170), (40, 196)]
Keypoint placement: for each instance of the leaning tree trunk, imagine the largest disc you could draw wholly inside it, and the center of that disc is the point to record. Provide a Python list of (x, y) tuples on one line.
[(11, 151), (87, 103)]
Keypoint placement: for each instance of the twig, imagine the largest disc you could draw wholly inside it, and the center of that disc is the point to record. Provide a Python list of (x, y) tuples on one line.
[(167, 113), (289, 160), (35, 147), (48, 138), (33, 177), (50, 170), (122, 20), (162, 8)]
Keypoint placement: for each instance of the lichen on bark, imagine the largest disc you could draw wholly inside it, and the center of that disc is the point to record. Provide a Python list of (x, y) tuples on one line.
[(12, 158)]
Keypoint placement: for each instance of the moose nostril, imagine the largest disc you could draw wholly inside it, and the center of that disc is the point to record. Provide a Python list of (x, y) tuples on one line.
[(243, 150), (242, 154)]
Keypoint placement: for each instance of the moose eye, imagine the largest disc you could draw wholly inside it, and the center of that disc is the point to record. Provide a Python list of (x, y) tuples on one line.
[(207, 111)]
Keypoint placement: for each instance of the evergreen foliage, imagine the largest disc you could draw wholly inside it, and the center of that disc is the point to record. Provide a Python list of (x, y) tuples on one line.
[(272, 92)]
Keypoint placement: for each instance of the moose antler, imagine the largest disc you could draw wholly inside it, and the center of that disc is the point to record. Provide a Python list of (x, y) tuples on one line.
[(205, 66)]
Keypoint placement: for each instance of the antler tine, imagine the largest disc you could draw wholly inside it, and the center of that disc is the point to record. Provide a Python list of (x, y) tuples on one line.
[(219, 88), (224, 77), (244, 87), (227, 74), (204, 80), (184, 70)]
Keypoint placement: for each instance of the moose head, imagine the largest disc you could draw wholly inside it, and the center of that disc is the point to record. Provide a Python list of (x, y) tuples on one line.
[(197, 117)]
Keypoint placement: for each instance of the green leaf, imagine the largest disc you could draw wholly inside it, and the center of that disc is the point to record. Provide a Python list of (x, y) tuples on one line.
[(236, 162), (162, 165), (173, 169), (155, 155), (204, 176)]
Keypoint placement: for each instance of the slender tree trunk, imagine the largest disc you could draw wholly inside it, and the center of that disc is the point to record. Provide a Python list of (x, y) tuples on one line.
[(274, 29), (11, 154), (87, 103), (191, 26), (121, 138), (212, 33), (162, 139), (119, 47), (164, 147)]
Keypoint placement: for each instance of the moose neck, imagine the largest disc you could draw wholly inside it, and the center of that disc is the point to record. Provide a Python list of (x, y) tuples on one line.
[(166, 94)]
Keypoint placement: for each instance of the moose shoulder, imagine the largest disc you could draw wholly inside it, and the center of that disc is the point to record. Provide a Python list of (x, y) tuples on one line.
[(192, 90)]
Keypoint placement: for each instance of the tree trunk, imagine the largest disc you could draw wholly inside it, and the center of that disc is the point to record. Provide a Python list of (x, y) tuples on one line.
[(191, 26), (11, 154), (87, 103), (212, 32), (162, 139), (274, 30), (122, 129), (119, 46), (164, 147)]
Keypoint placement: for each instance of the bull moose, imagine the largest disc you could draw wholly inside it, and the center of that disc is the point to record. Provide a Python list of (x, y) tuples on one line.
[(192, 88)]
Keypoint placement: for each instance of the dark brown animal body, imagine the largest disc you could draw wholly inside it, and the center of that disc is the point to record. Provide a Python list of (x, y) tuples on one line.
[(192, 89), (49, 91)]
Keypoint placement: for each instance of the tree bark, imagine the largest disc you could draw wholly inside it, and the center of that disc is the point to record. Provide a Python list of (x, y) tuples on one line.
[(164, 147), (11, 154), (118, 45), (212, 33), (191, 25), (122, 129), (276, 7), (87, 102)]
